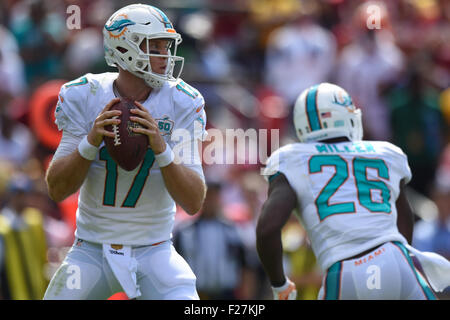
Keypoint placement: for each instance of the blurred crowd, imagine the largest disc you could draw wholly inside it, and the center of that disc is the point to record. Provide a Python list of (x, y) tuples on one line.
[(250, 59)]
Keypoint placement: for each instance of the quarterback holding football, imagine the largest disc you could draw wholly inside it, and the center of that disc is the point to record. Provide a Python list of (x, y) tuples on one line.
[(116, 148), (349, 195)]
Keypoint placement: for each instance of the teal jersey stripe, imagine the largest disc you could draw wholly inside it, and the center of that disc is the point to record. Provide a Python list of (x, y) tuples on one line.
[(139, 181), (311, 108), (425, 287), (274, 176), (166, 20), (76, 82), (333, 282)]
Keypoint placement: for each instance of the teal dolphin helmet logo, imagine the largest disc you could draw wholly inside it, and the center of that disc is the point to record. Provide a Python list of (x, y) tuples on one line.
[(342, 98), (118, 25)]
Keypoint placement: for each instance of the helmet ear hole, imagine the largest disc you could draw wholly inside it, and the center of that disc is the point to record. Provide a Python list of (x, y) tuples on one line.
[(135, 38), (352, 123)]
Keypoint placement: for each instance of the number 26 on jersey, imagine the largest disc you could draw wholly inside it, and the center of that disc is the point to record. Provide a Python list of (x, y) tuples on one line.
[(364, 187)]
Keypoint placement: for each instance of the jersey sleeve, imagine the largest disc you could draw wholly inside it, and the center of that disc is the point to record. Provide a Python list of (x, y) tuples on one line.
[(190, 130), (70, 109), (196, 120), (400, 161), (405, 169), (67, 145), (275, 165)]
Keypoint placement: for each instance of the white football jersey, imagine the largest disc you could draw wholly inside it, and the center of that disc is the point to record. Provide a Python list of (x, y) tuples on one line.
[(346, 193), (129, 207)]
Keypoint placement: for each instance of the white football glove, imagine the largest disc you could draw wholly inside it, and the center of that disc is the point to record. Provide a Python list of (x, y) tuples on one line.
[(288, 291)]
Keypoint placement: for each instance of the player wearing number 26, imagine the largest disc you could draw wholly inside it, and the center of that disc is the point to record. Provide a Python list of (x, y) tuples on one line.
[(125, 218), (349, 195)]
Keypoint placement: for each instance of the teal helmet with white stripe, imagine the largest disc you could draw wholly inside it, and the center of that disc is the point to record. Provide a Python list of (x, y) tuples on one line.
[(326, 111), (123, 37)]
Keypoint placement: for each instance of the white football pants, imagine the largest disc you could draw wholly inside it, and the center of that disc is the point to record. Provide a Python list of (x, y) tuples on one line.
[(386, 273), (162, 274)]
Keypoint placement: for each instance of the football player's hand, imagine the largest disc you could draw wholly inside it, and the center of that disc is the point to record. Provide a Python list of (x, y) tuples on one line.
[(287, 291), (104, 118), (149, 128)]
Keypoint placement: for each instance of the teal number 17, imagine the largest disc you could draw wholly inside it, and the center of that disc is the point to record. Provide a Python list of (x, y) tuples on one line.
[(109, 195), (364, 186)]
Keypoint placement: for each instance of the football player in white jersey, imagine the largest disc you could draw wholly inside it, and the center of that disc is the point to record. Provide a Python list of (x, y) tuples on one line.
[(125, 218), (348, 194)]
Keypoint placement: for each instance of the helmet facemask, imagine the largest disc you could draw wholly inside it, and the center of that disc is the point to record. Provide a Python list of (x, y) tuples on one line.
[(143, 68)]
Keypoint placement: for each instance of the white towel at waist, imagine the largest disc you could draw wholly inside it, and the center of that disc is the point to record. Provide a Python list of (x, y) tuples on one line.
[(124, 267), (435, 267)]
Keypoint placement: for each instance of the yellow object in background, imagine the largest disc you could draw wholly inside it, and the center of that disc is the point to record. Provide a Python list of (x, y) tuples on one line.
[(304, 271), (18, 289), (25, 252), (444, 103)]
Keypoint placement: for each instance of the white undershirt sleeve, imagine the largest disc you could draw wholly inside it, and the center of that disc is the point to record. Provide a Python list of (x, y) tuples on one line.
[(68, 144)]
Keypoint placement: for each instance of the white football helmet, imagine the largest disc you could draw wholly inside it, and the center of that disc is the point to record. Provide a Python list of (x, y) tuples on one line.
[(124, 33), (326, 111)]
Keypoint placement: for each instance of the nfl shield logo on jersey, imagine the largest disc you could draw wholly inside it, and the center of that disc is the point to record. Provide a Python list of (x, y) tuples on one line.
[(165, 125)]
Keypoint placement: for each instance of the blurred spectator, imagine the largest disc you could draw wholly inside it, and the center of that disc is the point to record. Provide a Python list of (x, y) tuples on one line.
[(213, 248), (299, 54), (434, 235), (16, 140), (366, 65), (18, 189), (212, 62), (244, 212), (76, 61), (87, 39), (418, 127), (12, 76), (40, 35)]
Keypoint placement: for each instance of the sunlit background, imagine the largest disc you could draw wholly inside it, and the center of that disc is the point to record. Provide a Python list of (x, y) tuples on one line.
[(250, 59)]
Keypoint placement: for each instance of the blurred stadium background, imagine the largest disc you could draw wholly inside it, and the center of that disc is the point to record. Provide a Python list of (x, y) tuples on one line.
[(250, 59)]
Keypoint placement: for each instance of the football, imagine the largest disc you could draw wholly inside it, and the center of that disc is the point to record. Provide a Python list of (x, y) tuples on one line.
[(127, 148)]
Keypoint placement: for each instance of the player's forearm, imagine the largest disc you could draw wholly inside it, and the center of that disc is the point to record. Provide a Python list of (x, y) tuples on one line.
[(270, 251), (405, 215), (274, 215), (66, 175), (269, 246), (185, 186)]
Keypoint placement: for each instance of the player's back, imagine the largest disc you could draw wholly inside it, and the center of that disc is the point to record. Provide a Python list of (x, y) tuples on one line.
[(346, 192)]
